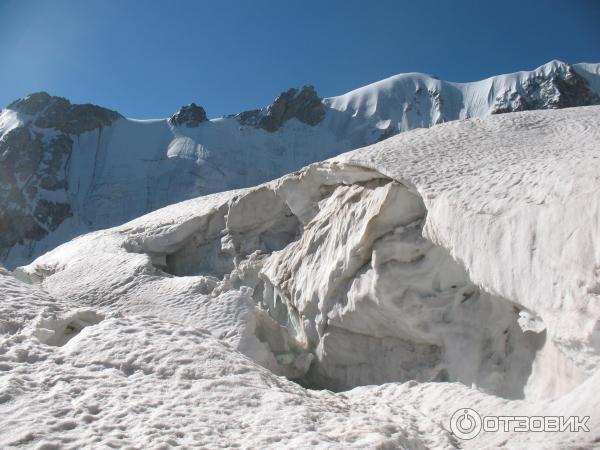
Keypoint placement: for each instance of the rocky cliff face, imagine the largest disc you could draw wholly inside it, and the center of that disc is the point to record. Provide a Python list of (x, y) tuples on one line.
[(561, 88), (190, 115), (34, 161)]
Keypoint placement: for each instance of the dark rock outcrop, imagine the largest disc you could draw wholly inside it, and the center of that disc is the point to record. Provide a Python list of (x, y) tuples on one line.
[(61, 114), (32, 104), (31, 169), (190, 115), (563, 87), (34, 164), (302, 104)]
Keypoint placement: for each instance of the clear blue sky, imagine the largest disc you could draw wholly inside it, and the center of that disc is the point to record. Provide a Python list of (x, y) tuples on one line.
[(146, 58)]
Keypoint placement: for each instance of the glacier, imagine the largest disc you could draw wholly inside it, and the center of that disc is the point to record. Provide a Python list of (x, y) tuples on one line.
[(87, 168), (357, 302)]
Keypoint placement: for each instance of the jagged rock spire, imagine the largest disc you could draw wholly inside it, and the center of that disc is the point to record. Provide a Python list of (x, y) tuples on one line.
[(303, 104), (190, 115)]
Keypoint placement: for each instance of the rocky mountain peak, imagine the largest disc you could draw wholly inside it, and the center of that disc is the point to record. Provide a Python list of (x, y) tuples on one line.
[(303, 104), (59, 113), (556, 85), (32, 104), (190, 115)]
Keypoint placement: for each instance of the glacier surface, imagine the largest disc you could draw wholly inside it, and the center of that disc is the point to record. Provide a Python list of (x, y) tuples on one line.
[(442, 268)]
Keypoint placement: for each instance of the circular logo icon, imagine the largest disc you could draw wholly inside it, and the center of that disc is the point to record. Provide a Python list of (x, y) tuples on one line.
[(465, 423)]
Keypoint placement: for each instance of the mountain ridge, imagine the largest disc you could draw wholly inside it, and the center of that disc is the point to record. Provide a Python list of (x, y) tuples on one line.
[(69, 169)]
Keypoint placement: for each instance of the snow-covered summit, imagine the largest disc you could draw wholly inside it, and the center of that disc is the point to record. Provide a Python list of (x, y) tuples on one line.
[(75, 168), (416, 100)]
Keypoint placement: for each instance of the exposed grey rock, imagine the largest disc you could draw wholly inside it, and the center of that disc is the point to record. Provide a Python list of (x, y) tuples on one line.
[(32, 104), (33, 167), (21, 154), (190, 115), (562, 88), (304, 105), (61, 114)]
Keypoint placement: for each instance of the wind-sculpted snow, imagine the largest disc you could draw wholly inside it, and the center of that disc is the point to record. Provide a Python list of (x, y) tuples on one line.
[(518, 206), (138, 381), (70, 169), (460, 264)]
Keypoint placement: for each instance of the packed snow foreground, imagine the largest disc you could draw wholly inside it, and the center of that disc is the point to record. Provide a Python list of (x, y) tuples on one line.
[(356, 303)]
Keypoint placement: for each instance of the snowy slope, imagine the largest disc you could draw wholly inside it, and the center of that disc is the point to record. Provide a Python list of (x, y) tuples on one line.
[(464, 257)]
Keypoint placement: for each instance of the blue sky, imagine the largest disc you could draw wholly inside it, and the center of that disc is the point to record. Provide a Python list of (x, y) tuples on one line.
[(146, 58)]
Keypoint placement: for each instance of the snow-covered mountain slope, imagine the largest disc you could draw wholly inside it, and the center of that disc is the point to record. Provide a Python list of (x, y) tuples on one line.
[(67, 169), (464, 257)]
